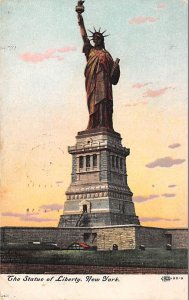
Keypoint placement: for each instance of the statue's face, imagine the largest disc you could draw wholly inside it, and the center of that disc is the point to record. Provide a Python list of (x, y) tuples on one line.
[(97, 41)]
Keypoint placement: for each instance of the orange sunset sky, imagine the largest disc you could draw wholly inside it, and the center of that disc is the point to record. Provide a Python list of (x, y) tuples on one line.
[(43, 104)]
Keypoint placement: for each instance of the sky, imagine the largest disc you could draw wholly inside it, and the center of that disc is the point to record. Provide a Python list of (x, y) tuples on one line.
[(43, 104)]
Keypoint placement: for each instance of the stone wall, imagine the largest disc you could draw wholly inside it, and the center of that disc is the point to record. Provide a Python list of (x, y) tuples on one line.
[(103, 238), (126, 237), (179, 237), (62, 236), (123, 237), (150, 237)]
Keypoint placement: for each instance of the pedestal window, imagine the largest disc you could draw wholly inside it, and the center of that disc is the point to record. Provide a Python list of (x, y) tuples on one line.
[(81, 162), (94, 161), (88, 164)]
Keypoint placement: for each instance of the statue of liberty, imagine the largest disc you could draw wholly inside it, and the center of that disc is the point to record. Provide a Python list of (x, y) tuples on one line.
[(100, 73)]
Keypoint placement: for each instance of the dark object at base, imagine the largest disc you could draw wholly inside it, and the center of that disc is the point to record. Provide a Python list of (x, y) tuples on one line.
[(168, 247), (115, 247), (94, 248), (142, 247)]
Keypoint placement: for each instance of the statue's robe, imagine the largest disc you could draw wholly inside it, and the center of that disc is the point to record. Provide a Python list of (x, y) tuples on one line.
[(98, 86)]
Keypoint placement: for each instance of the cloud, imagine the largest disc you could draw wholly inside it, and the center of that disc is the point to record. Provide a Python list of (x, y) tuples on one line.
[(156, 93), (172, 185), (37, 57), (167, 195), (140, 199), (18, 215), (161, 6), (141, 20), (135, 104), (53, 206), (165, 162), (28, 217), (48, 54), (37, 219), (140, 85), (155, 219), (144, 199), (176, 145)]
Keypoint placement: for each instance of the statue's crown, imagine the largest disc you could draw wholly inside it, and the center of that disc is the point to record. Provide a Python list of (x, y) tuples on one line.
[(99, 33)]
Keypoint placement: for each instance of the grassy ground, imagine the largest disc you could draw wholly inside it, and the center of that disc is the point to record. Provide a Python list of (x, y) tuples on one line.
[(157, 258)]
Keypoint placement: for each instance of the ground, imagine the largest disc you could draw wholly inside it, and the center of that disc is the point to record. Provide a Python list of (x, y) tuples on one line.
[(74, 261)]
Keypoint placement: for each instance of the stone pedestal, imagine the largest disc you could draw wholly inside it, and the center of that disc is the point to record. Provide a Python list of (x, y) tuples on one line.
[(98, 194)]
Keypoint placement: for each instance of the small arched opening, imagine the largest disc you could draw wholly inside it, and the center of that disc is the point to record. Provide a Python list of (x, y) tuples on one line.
[(84, 208)]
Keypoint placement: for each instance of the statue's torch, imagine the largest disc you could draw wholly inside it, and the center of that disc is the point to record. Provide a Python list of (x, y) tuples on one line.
[(80, 7)]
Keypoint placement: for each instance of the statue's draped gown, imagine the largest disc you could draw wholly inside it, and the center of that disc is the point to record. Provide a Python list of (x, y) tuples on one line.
[(98, 86)]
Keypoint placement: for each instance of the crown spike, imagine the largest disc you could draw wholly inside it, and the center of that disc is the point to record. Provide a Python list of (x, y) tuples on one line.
[(104, 31), (95, 32)]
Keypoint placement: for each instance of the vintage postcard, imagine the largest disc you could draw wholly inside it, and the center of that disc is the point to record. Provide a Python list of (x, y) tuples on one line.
[(93, 149)]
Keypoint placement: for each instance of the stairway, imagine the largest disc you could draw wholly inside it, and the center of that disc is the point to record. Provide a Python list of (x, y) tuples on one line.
[(80, 218)]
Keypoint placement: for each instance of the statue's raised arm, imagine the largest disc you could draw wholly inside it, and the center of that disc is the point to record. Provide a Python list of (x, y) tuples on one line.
[(80, 9), (100, 73)]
